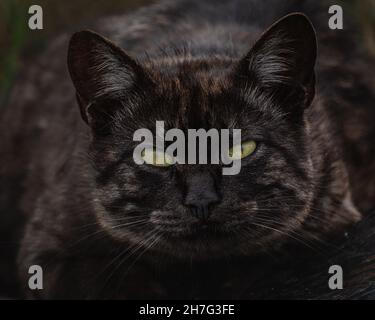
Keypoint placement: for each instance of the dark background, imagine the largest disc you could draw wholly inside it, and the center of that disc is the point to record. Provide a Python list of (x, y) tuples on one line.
[(18, 41)]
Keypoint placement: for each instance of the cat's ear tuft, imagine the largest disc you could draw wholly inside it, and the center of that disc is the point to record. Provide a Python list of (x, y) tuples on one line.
[(100, 69), (285, 55)]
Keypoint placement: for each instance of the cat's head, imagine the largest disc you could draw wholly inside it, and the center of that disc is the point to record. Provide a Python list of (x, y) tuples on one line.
[(194, 210)]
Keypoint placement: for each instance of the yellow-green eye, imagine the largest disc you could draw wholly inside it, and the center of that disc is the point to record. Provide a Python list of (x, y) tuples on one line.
[(156, 158), (243, 150)]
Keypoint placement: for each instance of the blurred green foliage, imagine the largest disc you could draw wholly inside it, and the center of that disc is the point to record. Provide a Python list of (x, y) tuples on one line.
[(12, 39), (15, 35)]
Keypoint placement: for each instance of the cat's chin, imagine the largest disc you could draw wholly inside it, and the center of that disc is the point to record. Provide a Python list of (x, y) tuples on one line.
[(203, 242), (201, 251)]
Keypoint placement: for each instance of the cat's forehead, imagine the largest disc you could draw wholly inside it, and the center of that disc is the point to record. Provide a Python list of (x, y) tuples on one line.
[(203, 93), (191, 91), (193, 98)]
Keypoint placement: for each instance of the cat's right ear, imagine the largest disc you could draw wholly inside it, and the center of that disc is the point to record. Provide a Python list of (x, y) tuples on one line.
[(100, 70)]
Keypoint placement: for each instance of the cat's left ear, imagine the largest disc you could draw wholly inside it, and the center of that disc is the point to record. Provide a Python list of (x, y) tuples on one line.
[(100, 70), (284, 57)]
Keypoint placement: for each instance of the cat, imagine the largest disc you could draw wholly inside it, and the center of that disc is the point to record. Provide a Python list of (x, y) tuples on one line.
[(103, 227)]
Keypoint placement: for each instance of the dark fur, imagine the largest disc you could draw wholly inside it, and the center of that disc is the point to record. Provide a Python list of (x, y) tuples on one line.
[(291, 201)]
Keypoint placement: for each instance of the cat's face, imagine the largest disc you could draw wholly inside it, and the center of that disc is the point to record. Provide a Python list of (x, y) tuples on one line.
[(194, 210)]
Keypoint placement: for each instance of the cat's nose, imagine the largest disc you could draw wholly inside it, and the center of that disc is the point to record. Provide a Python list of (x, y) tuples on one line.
[(201, 208), (201, 195)]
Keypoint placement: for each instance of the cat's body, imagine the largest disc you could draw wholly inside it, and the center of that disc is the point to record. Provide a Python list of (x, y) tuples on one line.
[(64, 195)]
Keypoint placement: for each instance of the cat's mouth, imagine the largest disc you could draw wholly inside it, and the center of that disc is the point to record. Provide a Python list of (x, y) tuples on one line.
[(200, 231), (190, 228), (189, 237)]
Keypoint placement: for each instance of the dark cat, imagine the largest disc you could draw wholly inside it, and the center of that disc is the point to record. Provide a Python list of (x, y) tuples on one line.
[(103, 227)]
